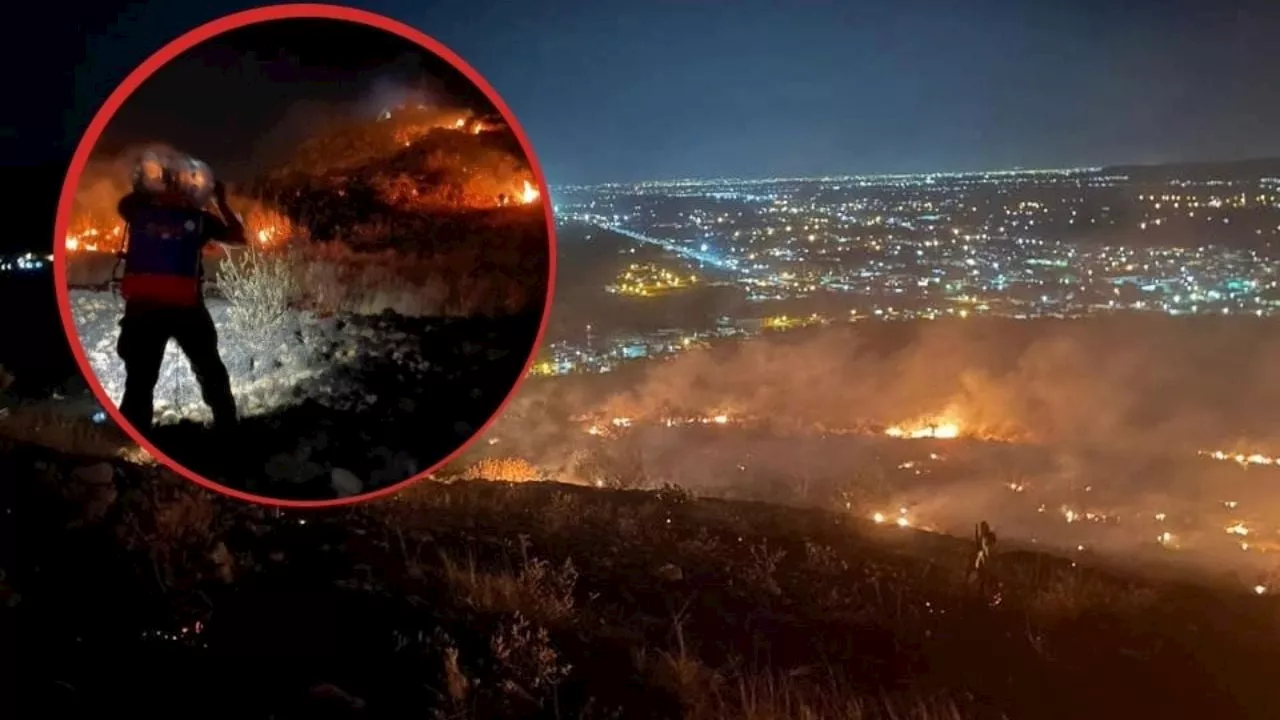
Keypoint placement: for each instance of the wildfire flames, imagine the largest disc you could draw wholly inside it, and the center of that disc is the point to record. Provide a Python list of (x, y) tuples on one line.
[(529, 194), (93, 239), (933, 429), (938, 430), (1244, 459), (265, 227)]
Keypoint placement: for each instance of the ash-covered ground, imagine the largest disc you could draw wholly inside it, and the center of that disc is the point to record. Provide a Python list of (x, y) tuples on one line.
[(330, 406)]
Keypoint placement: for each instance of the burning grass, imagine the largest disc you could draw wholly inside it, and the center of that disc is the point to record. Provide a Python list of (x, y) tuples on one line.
[(423, 159)]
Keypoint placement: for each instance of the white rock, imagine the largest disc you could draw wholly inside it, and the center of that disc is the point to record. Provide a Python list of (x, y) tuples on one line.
[(345, 483)]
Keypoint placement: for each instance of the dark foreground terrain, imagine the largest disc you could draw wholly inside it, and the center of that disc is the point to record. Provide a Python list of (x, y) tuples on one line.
[(372, 422), (137, 593)]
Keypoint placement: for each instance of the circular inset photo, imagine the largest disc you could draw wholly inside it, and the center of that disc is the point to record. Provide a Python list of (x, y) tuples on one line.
[(304, 255)]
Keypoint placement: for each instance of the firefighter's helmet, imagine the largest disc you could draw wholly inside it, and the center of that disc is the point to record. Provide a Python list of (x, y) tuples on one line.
[(151, 175), (160, 171)]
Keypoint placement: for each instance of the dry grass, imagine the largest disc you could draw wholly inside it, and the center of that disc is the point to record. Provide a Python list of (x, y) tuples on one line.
[(485, 276), (261, 287), (708, 694), (1067, 595), (502, 469), (538, 590)]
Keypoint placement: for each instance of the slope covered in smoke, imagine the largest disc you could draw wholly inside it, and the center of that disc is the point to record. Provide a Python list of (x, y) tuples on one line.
[(1143, 384), (1119, 434)]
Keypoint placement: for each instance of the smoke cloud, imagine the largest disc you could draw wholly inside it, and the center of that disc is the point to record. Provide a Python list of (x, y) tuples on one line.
[(1106, 417)]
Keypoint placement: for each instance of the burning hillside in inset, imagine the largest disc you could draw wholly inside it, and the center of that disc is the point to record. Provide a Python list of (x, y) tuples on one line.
[(408, 161), (415, 160)]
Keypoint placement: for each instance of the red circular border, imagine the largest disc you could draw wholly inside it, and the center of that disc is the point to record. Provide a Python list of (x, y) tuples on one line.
[(157, 61)]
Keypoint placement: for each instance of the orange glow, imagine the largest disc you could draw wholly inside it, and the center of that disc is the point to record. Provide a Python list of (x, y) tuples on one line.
[(529, 194), (939, 430), (93, 239), (265, 226)]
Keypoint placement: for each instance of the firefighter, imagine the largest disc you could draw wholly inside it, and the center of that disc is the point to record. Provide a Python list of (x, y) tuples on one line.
[(167, 228)]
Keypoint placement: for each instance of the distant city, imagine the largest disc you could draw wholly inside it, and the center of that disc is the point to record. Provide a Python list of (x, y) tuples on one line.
[(1016, 244)]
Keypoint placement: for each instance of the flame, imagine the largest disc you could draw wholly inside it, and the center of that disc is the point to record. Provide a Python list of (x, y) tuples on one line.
[(1242, 458), (268, 227), (939, 430), (529, 194), (92, 239), (1237, 528)]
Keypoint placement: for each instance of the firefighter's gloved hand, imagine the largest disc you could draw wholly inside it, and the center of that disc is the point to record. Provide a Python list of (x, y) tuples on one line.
[(220, 191)]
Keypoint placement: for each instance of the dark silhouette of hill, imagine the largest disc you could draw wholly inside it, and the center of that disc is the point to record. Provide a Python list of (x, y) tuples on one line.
[(1199, 170)]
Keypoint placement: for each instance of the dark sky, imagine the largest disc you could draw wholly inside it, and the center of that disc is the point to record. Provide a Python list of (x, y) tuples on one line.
[(610, 90), (241, 99)]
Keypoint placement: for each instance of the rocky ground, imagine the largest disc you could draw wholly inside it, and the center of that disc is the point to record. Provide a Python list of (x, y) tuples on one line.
[(331, 406)]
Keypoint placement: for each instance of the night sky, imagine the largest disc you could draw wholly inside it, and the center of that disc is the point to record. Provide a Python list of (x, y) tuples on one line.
[(665, 88)]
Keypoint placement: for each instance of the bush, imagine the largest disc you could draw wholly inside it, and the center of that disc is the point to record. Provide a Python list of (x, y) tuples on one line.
[(507, 469), (260, 285)]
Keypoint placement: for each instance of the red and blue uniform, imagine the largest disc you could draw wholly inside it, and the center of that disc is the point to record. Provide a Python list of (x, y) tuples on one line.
[(162, 261)]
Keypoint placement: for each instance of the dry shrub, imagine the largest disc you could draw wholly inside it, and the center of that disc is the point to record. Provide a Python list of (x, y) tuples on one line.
[(260, 285), (539, 590), (503, 469), (760, 572), (531, 665)]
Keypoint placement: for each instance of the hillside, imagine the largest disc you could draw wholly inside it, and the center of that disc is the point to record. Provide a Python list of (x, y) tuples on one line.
[(386, 180), (480, 599)]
